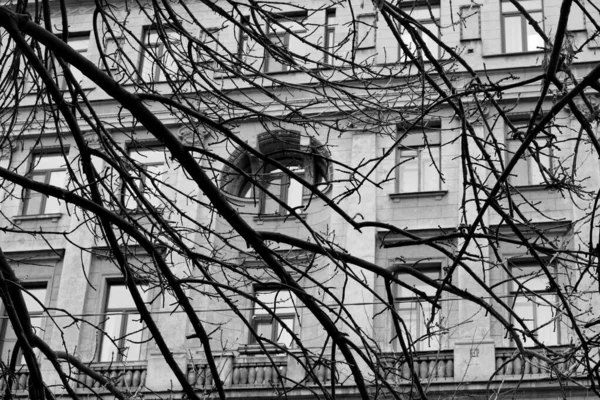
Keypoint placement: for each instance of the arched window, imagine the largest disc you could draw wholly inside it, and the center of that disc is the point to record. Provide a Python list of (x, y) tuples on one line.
[(287, 149)]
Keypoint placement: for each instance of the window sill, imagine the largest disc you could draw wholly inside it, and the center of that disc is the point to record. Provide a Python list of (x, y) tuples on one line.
[(531, 188), (260, 219), (255, 349), (521, 53), (38, 217), (437, 194)]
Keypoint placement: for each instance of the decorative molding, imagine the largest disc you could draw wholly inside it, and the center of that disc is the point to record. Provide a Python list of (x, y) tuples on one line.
[(594, 101), (34, 256)]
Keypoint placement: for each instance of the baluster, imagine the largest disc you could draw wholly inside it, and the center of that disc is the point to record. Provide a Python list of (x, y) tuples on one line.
[(432, 370), (208, 381), (127, 379), (321, 373), (535, 368), (23, 380), (509, 368), (235, 379), (517, 365), (450, 368), (423, 369), (499, 362), (260, 374), (283, 370), (268, 374), (243, 375), (135, 383), (143, 378), (2, 383), (120, 379), (191, 376), (89, 381), (15, 383), (251, 374), (441, 369), (527, 366), (113, 377)]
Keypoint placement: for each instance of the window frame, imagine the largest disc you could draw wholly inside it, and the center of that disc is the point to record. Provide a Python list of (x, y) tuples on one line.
[(47, 176), (515, 292), (524, 25), (420, 148), (37, 284), (139, 177), (419, 7), (512, 143), (416, 303), (329, 41), (125, 312), (284, 188), (154, 54), (255, 319), (76, 35)]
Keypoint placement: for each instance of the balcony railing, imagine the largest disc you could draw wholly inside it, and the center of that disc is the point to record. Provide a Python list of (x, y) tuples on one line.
[(240, 372), (19, 382), (427, 366), (523, 365), (130, 376)]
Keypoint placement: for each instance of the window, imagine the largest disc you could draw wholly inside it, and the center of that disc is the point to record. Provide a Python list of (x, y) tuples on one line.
[(528, 171), (366, 31), (282, 303), (470, 27), (113, 50), (419, 162), (156, 61), (35, 297), (416, 312), (148, 174), (534, 302), (122, 324), (329, 41), (307, 161), (282, 34), (80, 43), (428, 15), (286, 189), (519, 36), (49, 169), (205, 54)]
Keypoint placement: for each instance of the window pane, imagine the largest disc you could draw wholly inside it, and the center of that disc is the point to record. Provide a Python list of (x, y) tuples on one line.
[(408, 41), (133, 337), (295, 190), (274, 187), (409, 171), (429, 42), (48, 161), (264, 329), (281, 302), (530, 276), (547, 334), (33, 298), (428, 172), (534, 40), (284, 336), (34, 203), (57, 178), (513, 35), (112, 327)]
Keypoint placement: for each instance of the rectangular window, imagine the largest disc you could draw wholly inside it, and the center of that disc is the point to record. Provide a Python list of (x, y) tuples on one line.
[(528, 170), (122, 324), (157, 62), (329, 39), (209, 38), (535, 303), (48, 169), (113, 50), (428, 17), (148, 173), (281, 303), (470, 27), (519, 35), (282, 34), (80, 43), (366, 31), (419, 162), (35, 297), (423, 333), (286, 189)]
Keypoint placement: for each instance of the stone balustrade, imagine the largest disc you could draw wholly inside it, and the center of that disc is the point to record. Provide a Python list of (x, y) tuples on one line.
[(19, 382), (130, 376), (522, 365), (241, 372), (430, 365)]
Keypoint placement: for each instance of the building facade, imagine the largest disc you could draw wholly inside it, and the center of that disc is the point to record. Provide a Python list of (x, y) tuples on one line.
[(398, 165)]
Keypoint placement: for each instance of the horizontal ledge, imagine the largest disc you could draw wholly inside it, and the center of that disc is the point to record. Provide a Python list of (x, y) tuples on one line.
[(54, 217), (437, 194)]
